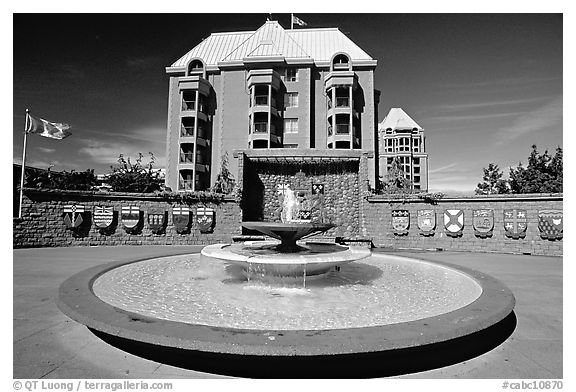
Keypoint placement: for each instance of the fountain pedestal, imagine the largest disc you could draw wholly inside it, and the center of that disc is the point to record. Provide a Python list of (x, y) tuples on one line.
[(285, 258)]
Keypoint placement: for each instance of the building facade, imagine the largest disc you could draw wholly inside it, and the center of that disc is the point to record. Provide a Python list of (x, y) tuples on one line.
[(401, 137), (272, 88)]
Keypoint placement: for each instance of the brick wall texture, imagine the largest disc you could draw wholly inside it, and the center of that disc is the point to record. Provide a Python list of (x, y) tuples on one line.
[(377, 221), (356, 215), (42, 223)]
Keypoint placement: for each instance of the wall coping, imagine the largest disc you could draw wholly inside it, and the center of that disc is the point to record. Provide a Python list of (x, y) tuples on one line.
[(209, 197), (466, 199), (292, 154)]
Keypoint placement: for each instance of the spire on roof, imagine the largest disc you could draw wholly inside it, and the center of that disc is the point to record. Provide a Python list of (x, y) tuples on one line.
[(398, 119)]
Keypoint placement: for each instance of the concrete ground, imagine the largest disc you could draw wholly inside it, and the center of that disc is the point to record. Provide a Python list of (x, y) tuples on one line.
[(47, 344)]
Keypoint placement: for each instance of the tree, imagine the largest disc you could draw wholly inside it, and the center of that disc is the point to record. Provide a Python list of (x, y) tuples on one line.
[(492, 181), (542, 175), (395, 180), (134, 177), (224, 180)]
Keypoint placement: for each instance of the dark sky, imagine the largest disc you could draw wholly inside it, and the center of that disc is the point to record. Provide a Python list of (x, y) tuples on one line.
[(484, 86)]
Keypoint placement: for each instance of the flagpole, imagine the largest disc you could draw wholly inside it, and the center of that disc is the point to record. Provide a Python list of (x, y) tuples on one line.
[(291, 21), (23, 163)]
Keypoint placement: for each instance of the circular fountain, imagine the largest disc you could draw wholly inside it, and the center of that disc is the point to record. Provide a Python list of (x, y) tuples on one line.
[(380, 313)]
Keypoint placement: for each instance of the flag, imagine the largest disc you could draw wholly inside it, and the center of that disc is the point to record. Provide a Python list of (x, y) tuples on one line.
[(298, 21), (47, 129)]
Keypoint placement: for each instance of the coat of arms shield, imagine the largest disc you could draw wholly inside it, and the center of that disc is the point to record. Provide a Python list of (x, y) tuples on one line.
[(515, 223), (103, 216), (426, 222), (73, 215), (483, 223), (454, 222), (156, 220), (400, 221), (551, 224), (130, 216), (205, 219), (181, 218)]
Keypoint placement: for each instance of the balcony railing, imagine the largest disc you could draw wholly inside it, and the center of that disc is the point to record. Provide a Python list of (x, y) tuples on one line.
[(187, 185), (260, 127), (342, 129), (261, 100), (188, 105), (187, 131), (186, 157)]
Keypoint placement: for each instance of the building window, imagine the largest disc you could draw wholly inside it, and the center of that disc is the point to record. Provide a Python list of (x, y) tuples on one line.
[(416, 178), (403, 144), (291, 75), (389, 161), (290, 125), (417, 187), (416, 161), (291, 100), (416, 170), (416, 145)]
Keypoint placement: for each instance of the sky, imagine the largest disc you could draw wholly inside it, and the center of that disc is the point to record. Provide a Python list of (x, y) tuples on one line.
[(484, 87)]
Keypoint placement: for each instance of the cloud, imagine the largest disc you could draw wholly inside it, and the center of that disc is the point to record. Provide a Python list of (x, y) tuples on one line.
[(47, 150), (107, 152), (474, 117), (487, 104), (515, 81), (543, 118), (443, 168)]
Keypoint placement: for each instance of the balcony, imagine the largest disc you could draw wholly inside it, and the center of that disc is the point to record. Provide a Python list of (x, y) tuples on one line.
[(261, 100), (342, 129), (188, 105), (187, 131), (342, 102), (186, 157), (186, 185), (260, 128)]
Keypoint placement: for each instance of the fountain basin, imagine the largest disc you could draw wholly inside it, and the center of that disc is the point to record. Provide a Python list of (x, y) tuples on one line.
[(261, 257), (77, 300)]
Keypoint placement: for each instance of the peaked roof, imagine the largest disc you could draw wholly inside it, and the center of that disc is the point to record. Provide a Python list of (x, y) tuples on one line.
[(398, 119), (272, 40)]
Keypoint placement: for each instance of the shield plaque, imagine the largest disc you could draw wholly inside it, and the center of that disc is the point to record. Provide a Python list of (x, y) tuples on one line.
[(515, 223), (317, 189), (205, 219), (551, 224), (454, 222), (426, 222), (156, 220), (103, 216), (73, 215), (483, 223), (130, 216), (304, 215), (400, 221), (181, 218)]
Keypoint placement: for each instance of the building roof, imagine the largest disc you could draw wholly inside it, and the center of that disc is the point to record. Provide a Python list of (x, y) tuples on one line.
[(398, 119), (271, 40)]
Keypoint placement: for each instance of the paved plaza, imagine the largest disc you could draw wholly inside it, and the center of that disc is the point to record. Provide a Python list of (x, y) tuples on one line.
[(47, 344)]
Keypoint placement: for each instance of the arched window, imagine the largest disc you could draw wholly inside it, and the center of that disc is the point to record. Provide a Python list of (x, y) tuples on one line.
[(340, 62), (196, 67)]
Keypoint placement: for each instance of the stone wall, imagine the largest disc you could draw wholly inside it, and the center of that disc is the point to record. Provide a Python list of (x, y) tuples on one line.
[(377, 223), (339, 204), (42, 223)]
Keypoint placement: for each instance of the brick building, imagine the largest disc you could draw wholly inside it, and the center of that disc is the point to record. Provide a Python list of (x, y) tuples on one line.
[(301, 89), (401, 137)]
